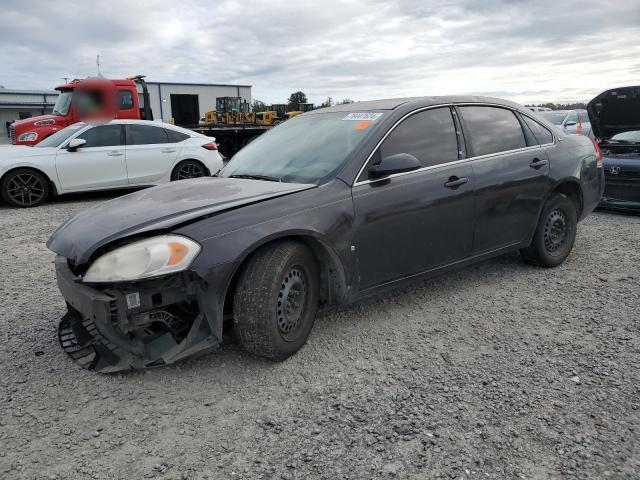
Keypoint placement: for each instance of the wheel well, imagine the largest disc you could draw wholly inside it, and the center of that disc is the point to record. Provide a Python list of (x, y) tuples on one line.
[(574, 192), (191, 160), (333, 283), (52, 186)]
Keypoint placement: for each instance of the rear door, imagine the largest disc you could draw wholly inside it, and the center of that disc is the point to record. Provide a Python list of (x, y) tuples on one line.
[(150, 156), (100, 163), (412, 222), (511, 176)]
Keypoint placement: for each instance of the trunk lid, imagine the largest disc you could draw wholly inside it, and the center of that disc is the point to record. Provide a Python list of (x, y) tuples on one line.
[(615, 111), (159, 208)]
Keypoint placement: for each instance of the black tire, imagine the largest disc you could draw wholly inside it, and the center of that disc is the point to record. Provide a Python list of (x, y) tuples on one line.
[(555, 234), (25, 188), (276, 299), (188, 169)]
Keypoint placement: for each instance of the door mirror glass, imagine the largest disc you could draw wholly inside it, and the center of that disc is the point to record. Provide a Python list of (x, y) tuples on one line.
[(75, 144), (397, 163)]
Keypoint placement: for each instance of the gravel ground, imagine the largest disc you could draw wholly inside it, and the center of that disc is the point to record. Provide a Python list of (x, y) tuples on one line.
[(500, 371)]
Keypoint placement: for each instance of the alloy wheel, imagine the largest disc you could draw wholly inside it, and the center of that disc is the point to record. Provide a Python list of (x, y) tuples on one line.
[(190, 170), (26, 189)]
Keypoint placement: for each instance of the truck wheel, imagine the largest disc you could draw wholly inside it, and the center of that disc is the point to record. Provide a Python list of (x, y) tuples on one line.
[(276, 299), (24, 188), (188, 169), (556, 231)]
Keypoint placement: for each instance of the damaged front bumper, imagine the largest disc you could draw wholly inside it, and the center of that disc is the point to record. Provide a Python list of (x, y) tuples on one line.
[(125, 326)]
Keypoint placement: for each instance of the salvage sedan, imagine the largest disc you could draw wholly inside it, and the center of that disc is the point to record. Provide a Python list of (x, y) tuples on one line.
[(327, 208), (615, 118)]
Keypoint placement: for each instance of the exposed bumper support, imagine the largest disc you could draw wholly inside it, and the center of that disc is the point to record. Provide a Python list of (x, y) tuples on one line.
[(129, 326)]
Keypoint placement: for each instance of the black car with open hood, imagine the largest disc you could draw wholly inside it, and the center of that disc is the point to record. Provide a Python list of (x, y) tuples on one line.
[(326, 208), (615, 118)]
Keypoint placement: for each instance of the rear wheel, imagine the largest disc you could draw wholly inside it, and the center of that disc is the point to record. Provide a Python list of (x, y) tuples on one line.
[(25, 188), (188, 169), (555, 234), (276, 300)]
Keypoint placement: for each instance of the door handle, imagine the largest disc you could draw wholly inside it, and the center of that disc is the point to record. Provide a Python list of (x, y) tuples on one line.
[(455, 182), (167, 150), (115, 153), (537, 163)]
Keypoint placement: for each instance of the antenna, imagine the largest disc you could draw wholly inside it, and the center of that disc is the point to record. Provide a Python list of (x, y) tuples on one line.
[(66, 79), (98, 64)]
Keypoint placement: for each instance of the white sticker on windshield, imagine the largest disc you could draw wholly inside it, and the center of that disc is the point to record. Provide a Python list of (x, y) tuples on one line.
[(360, 116)]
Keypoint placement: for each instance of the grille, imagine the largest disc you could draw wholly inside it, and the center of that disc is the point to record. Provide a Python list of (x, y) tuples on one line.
[(12, 134)]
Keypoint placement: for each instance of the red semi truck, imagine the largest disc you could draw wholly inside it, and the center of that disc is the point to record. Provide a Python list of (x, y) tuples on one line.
[(88, 99)]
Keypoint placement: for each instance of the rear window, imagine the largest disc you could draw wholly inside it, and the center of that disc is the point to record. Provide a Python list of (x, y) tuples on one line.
[(430, 136), (145, 135), (542, 135), (176, 137), (492, 130), (125, 99)]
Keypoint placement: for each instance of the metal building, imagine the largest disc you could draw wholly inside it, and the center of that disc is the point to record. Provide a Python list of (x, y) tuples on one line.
[(186, 103), (20, 104)]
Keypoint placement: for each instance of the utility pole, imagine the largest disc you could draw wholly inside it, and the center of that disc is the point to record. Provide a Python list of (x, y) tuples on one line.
[(98, 64)]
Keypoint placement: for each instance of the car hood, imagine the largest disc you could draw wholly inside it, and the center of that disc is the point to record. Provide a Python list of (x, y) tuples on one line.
[(159, 208), (615, 111), (15, 152)]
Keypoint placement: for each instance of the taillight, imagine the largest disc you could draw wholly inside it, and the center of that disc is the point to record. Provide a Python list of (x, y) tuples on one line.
[(210, 146), (598, 153)]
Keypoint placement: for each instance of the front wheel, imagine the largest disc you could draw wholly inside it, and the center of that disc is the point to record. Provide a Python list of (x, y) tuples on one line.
[(24, 188), (276, 299), (555, 234), (188, 169)]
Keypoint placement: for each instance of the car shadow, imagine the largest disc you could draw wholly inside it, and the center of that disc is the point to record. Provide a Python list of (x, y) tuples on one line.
[(101, 195)]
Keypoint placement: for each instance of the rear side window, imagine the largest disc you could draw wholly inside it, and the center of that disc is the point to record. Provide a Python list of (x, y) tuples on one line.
[(430, 136), (102, 136), (542, 135), (145, 135), (492, 130), (125, 99), (175, 137)]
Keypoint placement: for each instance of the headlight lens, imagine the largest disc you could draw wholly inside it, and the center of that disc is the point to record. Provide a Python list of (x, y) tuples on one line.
[(144, 259), (28, 137)]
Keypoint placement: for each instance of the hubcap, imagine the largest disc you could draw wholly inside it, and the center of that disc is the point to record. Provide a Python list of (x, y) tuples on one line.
[(291, 301), (190, 170), (25, 189), (555, 231)]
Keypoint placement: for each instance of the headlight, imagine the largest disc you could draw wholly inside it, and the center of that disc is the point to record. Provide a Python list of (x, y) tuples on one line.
[(143, 259), (28, 137)]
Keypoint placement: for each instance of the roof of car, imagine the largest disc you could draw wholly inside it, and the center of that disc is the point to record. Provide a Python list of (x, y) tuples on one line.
[(393, 103)]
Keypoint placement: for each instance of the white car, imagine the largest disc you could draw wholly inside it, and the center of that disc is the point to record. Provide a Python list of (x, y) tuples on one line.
[(115, 154)]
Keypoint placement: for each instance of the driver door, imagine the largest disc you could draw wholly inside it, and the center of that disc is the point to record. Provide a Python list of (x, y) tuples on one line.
[(99, 163), (413, 222)]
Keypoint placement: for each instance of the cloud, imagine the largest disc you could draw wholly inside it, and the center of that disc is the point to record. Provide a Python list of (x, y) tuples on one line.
[(527, 51)]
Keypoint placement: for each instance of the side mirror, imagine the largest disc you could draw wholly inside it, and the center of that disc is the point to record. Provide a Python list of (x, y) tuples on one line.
[(75, 144), (570, 123), (397, 163)]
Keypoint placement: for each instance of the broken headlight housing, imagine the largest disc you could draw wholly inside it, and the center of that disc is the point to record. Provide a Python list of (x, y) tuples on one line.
[(147, 258)]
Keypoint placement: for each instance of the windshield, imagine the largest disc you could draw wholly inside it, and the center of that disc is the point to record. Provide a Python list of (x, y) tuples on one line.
[(627, 137), (60, 136), (63, 103), (305, 149), (554, 117)]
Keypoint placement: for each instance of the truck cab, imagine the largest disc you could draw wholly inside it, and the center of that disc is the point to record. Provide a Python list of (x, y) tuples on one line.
[(85, 100)]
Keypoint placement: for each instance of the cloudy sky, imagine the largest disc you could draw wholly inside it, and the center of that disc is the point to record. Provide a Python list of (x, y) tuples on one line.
[(528, 51)]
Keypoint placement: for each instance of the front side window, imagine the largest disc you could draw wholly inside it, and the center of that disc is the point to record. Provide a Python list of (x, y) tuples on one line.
[(541, 134), (102, 136), (492, 130), (125, 99), (430, 136), (145, 135)]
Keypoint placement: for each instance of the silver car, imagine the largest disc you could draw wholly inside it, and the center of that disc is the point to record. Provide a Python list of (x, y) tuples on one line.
[(570, 121)]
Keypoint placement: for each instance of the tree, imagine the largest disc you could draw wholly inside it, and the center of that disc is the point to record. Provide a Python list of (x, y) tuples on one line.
[(295, 99), (345, 101), (258, 106), (327, 103)]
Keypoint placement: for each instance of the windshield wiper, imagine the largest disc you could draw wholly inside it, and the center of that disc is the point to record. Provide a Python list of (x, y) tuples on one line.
[(257, 177)]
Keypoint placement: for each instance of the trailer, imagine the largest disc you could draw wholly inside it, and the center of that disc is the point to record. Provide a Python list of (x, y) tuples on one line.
[(231, 138)]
